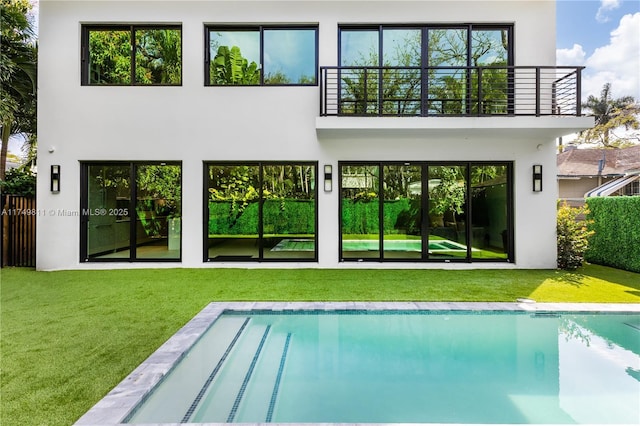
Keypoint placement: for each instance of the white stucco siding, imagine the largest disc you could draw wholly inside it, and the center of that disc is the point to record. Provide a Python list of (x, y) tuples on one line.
[(193, 123)]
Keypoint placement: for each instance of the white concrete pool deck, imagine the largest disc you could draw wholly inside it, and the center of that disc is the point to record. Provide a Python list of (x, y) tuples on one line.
[(113, 409)]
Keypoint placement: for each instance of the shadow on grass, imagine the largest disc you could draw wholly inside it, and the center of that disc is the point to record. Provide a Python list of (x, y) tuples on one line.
[(613, 275), (575, 279), (585, 275)]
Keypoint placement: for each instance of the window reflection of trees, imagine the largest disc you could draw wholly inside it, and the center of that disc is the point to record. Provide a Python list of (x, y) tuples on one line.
[(389, 79)]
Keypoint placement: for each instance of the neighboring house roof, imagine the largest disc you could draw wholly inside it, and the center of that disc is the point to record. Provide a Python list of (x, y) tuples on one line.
[(575, 162)]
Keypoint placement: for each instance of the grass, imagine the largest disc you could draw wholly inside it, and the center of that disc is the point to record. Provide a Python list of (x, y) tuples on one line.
[(69, 337)]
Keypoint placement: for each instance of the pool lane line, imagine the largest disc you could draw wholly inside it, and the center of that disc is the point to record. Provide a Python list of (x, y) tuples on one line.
[(276, 386), (207, 383), (247, 377)]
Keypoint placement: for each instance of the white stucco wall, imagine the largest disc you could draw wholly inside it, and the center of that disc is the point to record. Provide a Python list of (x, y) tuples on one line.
[(193, 123)]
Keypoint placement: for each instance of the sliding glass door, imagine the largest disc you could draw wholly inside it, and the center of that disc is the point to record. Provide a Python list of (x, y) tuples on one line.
[(131, 211), (260, 211), (425, 211), (402, 211)]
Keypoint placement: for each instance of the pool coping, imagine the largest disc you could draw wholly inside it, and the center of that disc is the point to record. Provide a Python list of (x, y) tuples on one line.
[(113, 409)]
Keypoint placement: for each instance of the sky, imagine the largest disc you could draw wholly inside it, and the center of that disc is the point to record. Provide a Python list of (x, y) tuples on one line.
[(603, 36)]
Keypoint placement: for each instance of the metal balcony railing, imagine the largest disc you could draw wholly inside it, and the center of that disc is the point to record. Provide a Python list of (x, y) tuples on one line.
[(450, 91)]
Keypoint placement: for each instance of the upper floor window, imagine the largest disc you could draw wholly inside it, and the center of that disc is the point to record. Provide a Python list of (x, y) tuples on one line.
[(426, 46), (123, 55), (261, 55), (425, 69)]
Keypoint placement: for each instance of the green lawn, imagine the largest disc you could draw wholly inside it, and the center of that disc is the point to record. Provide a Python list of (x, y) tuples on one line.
[(69, 337)]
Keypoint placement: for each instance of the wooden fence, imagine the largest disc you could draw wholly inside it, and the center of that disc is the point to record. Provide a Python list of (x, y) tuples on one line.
[(18, 230)]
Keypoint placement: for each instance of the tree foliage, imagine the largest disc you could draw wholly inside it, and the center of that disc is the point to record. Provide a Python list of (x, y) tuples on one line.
[(229, 67), (161, 183), (18, 75), (611, 116), (158, 56), (572, 237), (19, 181), (449, 195)]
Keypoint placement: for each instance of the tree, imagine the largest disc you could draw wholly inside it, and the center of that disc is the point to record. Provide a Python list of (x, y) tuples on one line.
[(229, 67), (611, 115), (18, 79)]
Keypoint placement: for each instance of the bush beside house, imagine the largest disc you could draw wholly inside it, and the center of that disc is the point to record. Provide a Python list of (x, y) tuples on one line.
[(573, 236), (19, 181), (616, 225)]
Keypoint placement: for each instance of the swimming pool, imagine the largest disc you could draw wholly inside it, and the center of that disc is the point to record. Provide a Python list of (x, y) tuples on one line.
[(366, 363)]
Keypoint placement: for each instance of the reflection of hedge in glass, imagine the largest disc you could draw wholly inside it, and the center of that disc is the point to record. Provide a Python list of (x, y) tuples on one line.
[(282, 217), (362, 217)]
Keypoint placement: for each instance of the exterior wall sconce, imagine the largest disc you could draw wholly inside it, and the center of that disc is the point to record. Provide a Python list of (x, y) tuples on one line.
[(328, 177), (537, 178), (55, 178)]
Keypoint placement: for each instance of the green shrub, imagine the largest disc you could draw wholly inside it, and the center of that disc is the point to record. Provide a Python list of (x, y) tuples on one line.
[(616, 223), (19, 181), (573, 237)]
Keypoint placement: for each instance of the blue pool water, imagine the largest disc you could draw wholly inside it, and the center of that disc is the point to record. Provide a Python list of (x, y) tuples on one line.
[(405, 367)]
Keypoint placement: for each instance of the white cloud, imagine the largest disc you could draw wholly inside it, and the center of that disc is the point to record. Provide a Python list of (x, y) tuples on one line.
[(606, 6), (618, 62), (573, 56)]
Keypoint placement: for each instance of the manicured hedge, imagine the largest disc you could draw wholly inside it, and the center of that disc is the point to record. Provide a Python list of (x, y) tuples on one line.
[(280, 217), (616, 222), (362, 217)]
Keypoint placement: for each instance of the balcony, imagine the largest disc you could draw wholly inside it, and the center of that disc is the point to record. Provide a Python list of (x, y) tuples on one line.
[(541, 101), (450, 91)]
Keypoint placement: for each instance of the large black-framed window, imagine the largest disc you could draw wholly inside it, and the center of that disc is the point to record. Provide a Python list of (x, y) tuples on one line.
[(130, 211), (426, 69), (426, 211), (260, 211), (131, 55), (261, 55)]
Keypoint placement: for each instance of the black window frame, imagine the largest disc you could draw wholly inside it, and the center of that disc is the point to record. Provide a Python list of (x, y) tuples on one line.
[(84, 212), (425, 28), (131, 28), (260, 258), (260, 28), (509, 249)]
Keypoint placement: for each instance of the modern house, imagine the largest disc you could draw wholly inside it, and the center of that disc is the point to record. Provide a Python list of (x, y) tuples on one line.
[(331, 134), (586, 173)]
